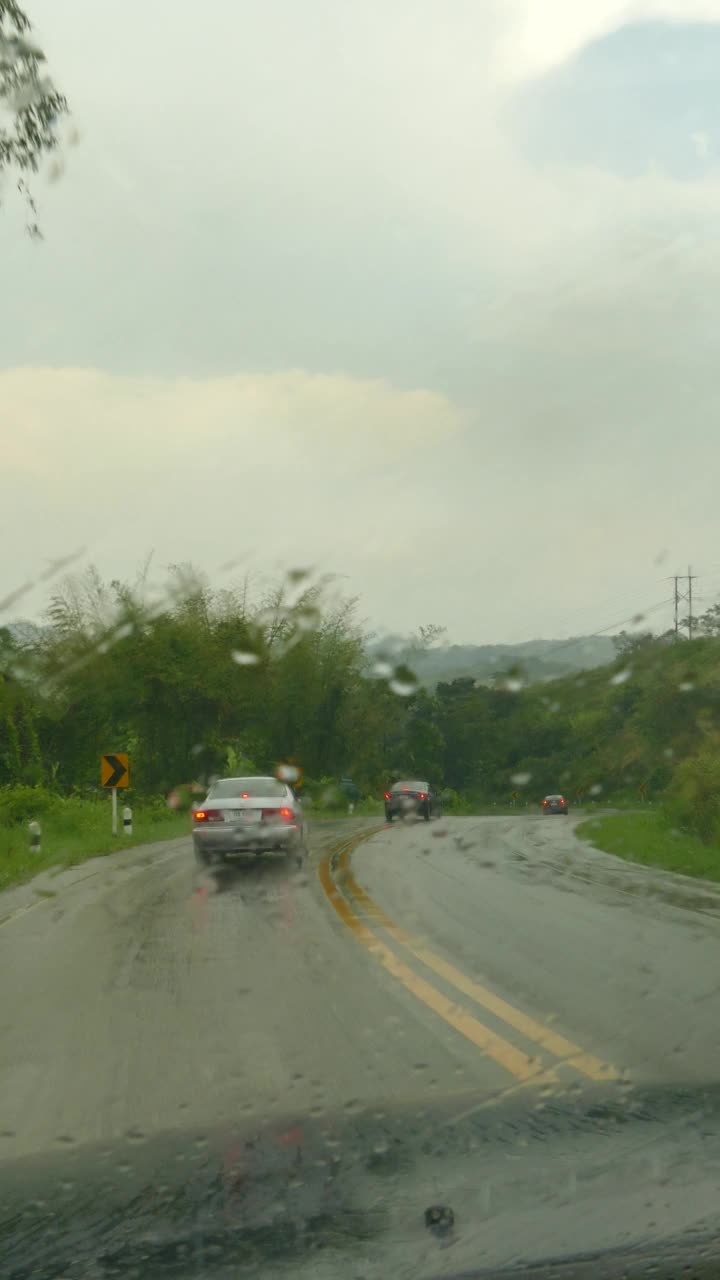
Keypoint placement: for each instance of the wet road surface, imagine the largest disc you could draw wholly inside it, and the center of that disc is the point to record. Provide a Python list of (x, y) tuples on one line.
[(456, 960)]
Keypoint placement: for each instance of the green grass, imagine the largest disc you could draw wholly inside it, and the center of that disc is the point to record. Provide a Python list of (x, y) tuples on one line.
[(649, 838), (76, 830), (330, 813)]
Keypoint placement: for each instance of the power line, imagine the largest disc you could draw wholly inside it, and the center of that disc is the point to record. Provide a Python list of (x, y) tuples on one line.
[(601, 631)]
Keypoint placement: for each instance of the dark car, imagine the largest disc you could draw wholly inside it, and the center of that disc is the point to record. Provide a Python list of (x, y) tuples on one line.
[(555, 804), (409, 797)]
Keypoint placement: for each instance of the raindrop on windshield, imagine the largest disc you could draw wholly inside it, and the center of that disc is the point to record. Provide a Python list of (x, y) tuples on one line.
[(382, 670), (521, 779), (287, 773), (403, 687), (621, 676), (244, 658)]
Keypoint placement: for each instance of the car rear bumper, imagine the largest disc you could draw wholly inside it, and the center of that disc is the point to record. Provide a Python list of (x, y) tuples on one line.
[(225, 839)]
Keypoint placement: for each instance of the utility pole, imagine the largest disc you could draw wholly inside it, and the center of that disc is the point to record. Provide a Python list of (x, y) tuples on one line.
[(683, 597)]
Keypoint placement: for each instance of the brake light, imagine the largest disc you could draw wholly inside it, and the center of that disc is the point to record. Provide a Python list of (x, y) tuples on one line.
[(387, 795), (406, 788), (208, 815), (273, 815), (422, 795), (199, 815), (245, 795), (545, 803)]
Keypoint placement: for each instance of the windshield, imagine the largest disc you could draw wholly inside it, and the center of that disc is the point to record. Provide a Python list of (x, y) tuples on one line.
[(359, 876)]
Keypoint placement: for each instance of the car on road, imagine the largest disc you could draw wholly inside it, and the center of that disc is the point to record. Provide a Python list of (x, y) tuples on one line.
[(241, 815), (411, 796), (555, 804)]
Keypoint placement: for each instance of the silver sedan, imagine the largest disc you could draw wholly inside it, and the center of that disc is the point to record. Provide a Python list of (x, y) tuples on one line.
[(248, 814)]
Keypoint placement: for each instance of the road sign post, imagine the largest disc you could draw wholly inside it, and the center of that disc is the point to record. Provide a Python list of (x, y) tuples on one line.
[(114, 774)]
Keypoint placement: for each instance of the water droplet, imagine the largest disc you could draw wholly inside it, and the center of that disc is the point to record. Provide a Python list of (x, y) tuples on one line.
[(513, 685), (596, 788), (669, 753), (686, 686), (621, 676), (403, 688), (244, 658), (521, 779), (382, 670), (287, 773)]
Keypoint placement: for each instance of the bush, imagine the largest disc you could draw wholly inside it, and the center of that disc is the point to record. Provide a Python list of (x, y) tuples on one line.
[(693, 798), (20, 804)]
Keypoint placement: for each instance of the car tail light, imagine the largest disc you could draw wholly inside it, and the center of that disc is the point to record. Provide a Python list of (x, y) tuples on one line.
[(275, 815), (545, 803), (208, 815), (387, 795), (422, 795)]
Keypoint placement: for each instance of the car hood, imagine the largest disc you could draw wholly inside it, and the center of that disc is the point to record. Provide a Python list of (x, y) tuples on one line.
[(602, 1180)]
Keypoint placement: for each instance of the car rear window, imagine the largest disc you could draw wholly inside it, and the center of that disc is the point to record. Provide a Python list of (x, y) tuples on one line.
[(410, 786), (255, 788)]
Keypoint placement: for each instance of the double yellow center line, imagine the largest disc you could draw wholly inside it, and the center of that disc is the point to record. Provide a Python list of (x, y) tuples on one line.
[(348, 899)]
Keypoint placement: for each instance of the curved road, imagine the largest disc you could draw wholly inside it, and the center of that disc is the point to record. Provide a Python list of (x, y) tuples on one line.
[(457, 959)]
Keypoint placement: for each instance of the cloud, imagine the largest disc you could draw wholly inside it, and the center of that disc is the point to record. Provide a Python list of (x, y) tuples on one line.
[(541, 34), (274, 467), (64, 418), (305, 295)]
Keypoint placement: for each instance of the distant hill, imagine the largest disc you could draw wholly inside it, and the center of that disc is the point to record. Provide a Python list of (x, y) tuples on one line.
[(537, 659)]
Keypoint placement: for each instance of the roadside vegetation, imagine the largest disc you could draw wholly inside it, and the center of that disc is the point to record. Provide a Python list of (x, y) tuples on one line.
[(194, 682), (74, 828), (650, 839)]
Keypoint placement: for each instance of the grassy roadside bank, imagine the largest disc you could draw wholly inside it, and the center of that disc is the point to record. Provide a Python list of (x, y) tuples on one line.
[(78, 830), (648, 838)]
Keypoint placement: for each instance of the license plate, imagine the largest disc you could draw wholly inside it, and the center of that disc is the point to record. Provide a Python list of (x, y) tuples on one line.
[(246, 815)]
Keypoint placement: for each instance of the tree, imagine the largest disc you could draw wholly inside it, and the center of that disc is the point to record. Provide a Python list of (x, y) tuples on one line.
[(29, 98), (627, 642)]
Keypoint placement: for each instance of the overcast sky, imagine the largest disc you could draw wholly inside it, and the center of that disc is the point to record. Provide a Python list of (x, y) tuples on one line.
[(423, 292)]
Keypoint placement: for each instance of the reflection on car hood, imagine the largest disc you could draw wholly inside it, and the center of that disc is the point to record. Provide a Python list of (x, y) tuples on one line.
[(618, 1177)]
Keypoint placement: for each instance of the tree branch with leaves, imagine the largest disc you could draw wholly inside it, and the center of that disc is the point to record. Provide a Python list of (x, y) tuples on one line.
[(31, 108)]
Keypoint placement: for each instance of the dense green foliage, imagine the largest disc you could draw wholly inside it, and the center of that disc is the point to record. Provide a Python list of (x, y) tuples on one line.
[(74, 828), (199, 682)]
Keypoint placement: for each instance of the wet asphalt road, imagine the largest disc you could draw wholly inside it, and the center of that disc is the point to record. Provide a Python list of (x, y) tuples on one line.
[(453, 960)]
